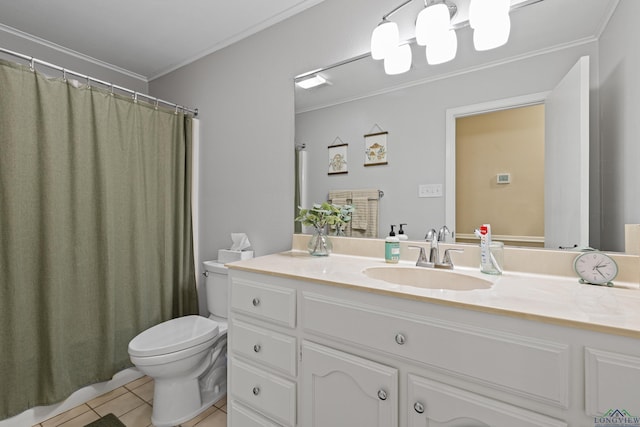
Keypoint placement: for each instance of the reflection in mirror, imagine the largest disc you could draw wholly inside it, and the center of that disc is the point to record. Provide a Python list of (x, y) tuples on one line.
[(412, 108)]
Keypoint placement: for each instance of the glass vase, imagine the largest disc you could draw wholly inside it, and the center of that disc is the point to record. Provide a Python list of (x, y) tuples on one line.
[(319, 244)]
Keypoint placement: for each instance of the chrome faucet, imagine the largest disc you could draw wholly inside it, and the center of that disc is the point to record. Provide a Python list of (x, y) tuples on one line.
[(432, 238), (442, 234), (433, 261)]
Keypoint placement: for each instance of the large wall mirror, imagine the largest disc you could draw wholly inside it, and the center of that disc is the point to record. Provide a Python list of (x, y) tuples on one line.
[(415, 109)]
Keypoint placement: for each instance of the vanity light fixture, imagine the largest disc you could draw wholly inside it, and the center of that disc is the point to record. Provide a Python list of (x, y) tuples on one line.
[(490, 22), (311, 81), (385, 37), (433, 30), (398, 60), (488, 18)]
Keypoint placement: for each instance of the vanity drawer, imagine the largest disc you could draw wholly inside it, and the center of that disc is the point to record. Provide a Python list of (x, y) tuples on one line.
[(269, 302), (533, 368), (245, 417), (267, 393), (265, 347), (432, 402)]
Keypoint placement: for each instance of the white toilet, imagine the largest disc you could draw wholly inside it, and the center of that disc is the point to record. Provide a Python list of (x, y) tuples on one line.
[(187, 356)]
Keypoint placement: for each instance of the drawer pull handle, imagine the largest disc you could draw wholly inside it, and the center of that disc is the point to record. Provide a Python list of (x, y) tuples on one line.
[(256, 390), (418, 407), (257, 348), (400, 339), (256, 302), (382, 395)]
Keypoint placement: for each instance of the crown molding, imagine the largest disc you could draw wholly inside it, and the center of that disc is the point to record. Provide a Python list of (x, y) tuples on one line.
[(42, 42)]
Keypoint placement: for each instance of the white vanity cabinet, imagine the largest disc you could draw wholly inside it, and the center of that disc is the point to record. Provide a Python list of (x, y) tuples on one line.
[(325, 355)]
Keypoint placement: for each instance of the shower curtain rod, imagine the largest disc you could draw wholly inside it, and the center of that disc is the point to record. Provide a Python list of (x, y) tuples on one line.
[(111, 86)]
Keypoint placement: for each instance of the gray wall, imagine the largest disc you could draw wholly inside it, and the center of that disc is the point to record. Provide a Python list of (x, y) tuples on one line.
[(620, 123), (246, 102), (415, 120)]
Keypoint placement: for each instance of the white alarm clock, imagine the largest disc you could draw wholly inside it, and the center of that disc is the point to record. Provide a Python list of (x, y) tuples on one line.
[(595, 268)]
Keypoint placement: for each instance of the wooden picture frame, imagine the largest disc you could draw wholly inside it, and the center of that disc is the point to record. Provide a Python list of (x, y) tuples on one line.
[(338, 159), (375, 149)]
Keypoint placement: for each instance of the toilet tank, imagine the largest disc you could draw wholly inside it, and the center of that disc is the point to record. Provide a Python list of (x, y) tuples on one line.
[(217, 288)]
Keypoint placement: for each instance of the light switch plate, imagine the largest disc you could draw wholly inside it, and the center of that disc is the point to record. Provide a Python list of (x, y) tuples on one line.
[(430, 190)]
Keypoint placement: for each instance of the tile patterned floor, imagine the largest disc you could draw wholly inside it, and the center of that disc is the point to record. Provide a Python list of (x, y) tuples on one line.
[(131, 403)]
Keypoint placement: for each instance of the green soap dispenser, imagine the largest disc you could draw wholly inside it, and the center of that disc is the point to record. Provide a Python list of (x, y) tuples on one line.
[(392, 248)]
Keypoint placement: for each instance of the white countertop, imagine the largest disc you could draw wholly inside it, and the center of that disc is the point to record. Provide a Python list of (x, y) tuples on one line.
[(554, 299)]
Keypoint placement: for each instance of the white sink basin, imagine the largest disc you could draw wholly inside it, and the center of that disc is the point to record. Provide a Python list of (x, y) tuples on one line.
[(427, 278)]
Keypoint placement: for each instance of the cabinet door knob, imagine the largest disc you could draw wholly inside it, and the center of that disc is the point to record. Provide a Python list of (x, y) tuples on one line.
[(257, 348), (400, 339), (256, 302), (256, 390), (382, 395), (418, 407)]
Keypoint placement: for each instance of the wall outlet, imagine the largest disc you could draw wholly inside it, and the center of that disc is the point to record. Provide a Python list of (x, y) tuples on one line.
[(430, 190)]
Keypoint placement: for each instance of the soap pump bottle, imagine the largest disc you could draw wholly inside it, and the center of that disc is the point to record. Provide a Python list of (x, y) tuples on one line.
[(401, 234), (392, 248)]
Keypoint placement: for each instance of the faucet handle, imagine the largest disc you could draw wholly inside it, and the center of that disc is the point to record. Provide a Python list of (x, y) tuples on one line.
[(446, 259), (422, 257)]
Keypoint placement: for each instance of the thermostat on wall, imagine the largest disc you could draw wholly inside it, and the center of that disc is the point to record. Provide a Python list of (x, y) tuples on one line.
[(504, 178)]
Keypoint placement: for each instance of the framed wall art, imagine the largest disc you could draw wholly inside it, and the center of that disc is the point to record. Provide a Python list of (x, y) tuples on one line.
[(375, 149), (338, 158)]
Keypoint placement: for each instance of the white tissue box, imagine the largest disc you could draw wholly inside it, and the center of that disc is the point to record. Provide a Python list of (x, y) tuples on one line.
[(227, 255)]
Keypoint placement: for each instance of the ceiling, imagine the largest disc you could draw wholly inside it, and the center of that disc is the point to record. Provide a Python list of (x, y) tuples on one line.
[(144, 38)]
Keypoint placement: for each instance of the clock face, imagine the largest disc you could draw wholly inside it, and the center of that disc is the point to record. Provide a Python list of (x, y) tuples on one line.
[(595, 267)]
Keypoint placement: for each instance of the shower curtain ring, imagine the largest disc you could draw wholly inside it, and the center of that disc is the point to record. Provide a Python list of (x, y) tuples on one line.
[(176, 109), (89, 82), (156, 103), (111, 91), (135, 97), (64, 75), (32, 64)]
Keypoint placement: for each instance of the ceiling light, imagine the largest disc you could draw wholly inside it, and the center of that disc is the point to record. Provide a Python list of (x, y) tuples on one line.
[(494, 36), (398, 60), (385, 38), (490, 22), (432, 22), (444, 49), (311, 81), (488, 18)]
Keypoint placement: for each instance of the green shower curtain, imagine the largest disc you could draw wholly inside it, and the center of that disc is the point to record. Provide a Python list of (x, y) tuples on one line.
[(95, 232)]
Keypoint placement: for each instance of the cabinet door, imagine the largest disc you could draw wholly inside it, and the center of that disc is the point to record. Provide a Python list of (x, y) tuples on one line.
[(432, 404), (343, 390)]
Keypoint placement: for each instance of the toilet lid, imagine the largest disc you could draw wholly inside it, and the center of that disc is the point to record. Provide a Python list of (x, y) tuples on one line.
[(173, 335)]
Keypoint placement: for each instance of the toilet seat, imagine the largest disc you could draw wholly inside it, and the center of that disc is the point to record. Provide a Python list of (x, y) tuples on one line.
[(182, 333)]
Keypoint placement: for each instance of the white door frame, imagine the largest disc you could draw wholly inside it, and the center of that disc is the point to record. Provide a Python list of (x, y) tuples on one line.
[(450, 151)]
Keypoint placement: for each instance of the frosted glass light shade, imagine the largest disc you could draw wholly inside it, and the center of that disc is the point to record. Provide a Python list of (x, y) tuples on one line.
[(432, 22), (398, 60), (494, 36), (385, 38), (444, 49)]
